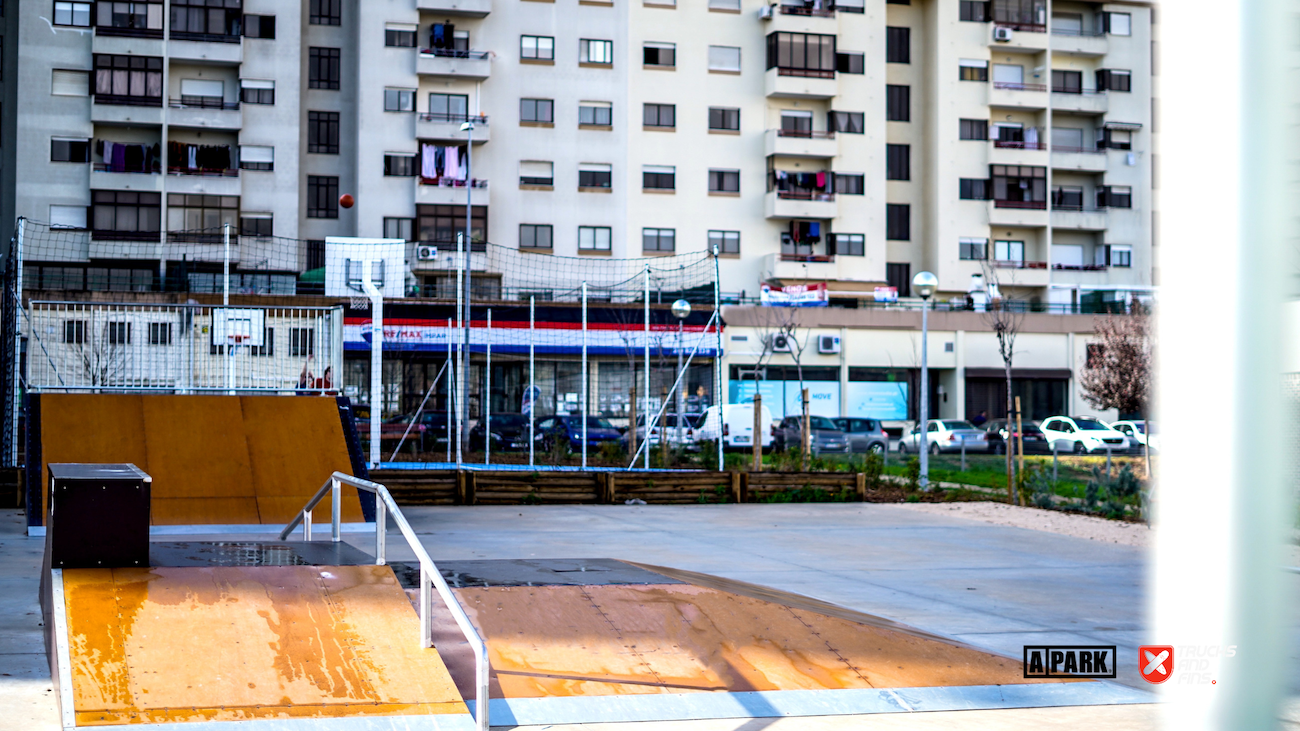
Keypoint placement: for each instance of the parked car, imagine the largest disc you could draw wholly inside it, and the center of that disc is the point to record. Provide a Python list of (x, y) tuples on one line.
[(428, 431), (737, 426), (552, 430), (865, 435), (1082, 435), (509, 432), (824, 436), (677, 438), (1139, 431), (945, 435), (998, 431)]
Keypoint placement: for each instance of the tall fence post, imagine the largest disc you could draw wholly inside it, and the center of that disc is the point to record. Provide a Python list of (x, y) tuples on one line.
[(487, 396), (225, 265), (13, 309), (720, 397), (586, 387), (532, 384), (757, 439), (647, 367), (451, 388), (376, 359)]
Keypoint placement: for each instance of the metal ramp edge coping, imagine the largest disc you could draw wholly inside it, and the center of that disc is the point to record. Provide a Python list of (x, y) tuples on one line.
[(202, 529), (480, 467)]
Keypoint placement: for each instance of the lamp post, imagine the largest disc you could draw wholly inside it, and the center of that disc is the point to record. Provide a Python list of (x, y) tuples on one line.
[(462, 417), (924, 284), (681, 310)]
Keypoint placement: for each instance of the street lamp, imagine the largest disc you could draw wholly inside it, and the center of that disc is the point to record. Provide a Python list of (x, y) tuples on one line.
[(924, 284), (681, 310), (462, 407)]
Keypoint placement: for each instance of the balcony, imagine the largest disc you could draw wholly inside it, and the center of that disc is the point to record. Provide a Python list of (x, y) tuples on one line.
[(786, 267), (1079, 42), (109, 40), (797, 204), (102, 177), (207, 182), (800, 18), (446, 127), (110, 109), (1022, 273), (1025, 37), (462, 8), (800, 143), (1018, 213), (451, 192), (801, 84), (1080, 102), (204, 113), (1016, 95), (1079, 218), (458, 64), (1018, 152), (205, 48), (1082, 159)]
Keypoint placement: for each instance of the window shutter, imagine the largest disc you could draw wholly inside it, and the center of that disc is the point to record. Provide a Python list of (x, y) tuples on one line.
[(70, 83)]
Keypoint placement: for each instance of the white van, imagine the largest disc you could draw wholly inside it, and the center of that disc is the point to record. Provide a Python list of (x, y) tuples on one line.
[(737, 426)]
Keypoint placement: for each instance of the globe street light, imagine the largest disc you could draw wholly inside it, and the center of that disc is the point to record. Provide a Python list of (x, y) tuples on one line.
[(924, 284), (681, 310)]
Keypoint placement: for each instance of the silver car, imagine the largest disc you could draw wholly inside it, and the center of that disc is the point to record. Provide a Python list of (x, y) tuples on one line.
[(946, 435), (824, 438)]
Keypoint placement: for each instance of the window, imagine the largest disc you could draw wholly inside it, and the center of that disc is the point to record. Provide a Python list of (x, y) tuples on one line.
[(399, 228), (595, 114), (73, 217), (448, 107), (974, 11), (443, 223), (1028, 15), (256, 157), (659, 177), (724, 242), (302, 341), (323, 132), (974, 129), (128, 80), (657, 54), (973, 249), (400, 35), (802, 54), (1067, 82), (595, 175), (899, 276), (898, 222), (724, 181), (724, 59), (537, 48), (733, 5), (660, 115), (850, 63), (974, 189), (119, 333), (972, 70), (73, 14), (898, 45), (200, 20), (1119, 256), (322, 196), (850, 244), (1114, 80), (1112, 138), (594, 238), (537, 111), (1117, 24), (534, 236), (1067, 197), (255, 225), (65, 82), (399, 100), (268, 344), (850, 184), (536, 172), (191, 212), (658, 239), (1009, 251), (1114, 196), (853, 123), (160, 333), (599, 52), (63, 149), (898, 162), (140, 19), (721, 118), (74, 332), (898, 103), (253, 91), (325, 12), (1019, 186), (323, 68), (399, 165), (129, 215), (259, 26)]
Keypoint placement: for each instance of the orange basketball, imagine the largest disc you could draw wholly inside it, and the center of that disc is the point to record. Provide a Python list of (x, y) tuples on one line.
[(346, 200)]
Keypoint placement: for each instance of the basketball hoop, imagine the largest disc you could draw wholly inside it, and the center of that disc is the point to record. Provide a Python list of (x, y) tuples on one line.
[(360, 303), (234, 340)]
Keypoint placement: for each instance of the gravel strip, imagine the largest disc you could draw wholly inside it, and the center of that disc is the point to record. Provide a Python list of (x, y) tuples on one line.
[(1051, 521)]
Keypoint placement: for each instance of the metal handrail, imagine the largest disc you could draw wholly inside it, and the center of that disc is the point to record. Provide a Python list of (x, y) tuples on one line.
[(430, 577)]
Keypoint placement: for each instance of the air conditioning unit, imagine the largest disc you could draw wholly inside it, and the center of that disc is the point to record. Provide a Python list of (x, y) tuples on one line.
[(1001, 34), (765, 12), (828, 344), (781, 344), (426, 253)]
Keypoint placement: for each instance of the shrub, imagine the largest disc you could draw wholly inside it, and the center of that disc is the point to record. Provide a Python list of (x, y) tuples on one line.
[(873, 466), (913, 474), (613, 452), (1111, 496), (1037, 487)]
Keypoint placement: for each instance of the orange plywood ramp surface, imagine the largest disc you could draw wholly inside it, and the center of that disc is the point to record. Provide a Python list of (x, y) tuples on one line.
[(236, 643), (213, 459)]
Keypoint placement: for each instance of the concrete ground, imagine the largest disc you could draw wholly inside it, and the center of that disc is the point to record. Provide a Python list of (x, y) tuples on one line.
[(992, 586)]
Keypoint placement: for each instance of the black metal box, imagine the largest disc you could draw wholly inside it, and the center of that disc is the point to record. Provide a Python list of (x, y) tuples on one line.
[(99, 516)]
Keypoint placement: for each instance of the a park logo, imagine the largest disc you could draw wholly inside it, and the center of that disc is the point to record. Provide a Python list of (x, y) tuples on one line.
[(1156, 662), (1070, 661)]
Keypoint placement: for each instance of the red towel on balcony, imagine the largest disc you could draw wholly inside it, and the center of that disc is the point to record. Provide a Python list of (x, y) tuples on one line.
[(821, 180)]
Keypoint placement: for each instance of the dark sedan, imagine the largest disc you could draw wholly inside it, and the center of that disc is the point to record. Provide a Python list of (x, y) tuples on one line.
[(999, 430), (509, 432), (553, 430)]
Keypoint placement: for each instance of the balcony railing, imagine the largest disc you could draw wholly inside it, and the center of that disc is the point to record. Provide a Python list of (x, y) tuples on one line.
[(805, 73), (1016, 264), (1019, 145), (1087, 92), (127, 100), (108, 235), (449, 183), (103, 167), (805, 195), (1024, 27), (183, 35), (454, 53), (201, 102), (1078, 33), (1031, 205), (808, 258), (1070, 148), (806, 134), (453, 118), (110, 30), (1018, 86), (448, 246), (826, 11), (210, 172), (1081, 267)]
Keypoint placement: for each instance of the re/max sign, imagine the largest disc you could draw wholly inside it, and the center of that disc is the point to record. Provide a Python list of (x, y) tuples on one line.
[(1074, 661)]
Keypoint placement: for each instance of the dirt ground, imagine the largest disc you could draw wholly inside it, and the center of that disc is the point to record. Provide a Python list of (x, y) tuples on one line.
[(1051, 521)]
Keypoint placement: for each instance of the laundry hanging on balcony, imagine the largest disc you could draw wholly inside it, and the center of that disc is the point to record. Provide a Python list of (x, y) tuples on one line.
[(122, 157), (443, 165), (185, 157)]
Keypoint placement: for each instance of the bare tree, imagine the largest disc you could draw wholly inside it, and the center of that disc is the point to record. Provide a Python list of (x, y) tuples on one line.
[(1117, 374), (781, 324), (101, 360), (1004, 317)]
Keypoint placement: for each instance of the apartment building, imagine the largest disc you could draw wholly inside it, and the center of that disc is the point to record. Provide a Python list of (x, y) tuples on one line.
[(849, 142)]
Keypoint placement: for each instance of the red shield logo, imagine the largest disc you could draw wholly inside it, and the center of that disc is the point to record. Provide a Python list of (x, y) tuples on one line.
[(1156, 662)]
